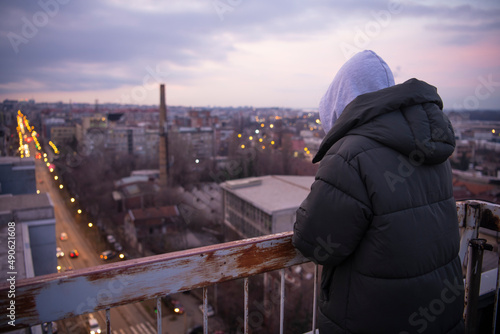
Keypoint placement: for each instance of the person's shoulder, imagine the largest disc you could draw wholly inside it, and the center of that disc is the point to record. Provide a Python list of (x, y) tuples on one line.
[(351, 146)]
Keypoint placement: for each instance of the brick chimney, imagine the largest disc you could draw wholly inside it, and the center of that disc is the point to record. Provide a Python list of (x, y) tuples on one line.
[(163, 144)]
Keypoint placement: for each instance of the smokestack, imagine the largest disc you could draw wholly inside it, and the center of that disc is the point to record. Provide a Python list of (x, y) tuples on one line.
[(163, 109), (163, 144)]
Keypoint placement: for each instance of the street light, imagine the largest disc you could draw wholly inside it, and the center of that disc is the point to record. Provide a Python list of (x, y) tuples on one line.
[(72, 200), (90, 225), (61, 186)]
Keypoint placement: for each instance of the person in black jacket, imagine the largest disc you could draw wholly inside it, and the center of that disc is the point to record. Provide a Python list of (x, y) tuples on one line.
[(381, 217)]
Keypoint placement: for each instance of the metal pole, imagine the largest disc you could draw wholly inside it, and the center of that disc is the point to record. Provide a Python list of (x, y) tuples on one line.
[(245, 307), (315, 298), (158, 314), (108, 320), (473, 282), (495, 306), (282, 302)]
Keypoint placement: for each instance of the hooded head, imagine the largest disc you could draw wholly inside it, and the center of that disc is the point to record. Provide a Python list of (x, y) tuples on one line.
[(364, 73)]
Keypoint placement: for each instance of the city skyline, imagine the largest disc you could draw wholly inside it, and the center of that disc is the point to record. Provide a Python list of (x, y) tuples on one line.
[(236, 52)]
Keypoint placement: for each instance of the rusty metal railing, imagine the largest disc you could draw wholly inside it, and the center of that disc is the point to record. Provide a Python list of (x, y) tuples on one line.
[(156, 276), (148, 278)]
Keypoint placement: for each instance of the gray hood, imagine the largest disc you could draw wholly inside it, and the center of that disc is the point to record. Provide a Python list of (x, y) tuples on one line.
[(364, 73)]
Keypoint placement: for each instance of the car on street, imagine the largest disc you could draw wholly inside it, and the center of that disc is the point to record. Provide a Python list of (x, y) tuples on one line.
[(46, 327), (59, 252), (111, 239), (210, 310), (118, 247), (108, 255), (173, 304), (61, 269), (74, 254), (94, 327), (64, 236)]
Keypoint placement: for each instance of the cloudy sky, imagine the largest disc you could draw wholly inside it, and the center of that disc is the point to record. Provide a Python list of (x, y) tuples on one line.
[(242, 52)]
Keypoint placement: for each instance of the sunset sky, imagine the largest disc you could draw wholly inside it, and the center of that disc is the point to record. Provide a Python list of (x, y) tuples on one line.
[(242, 52)]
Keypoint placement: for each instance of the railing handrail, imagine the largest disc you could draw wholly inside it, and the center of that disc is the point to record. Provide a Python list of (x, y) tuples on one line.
[(58, 296)]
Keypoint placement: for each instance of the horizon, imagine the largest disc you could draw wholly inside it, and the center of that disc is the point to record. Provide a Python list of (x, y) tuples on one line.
[(226, 53)]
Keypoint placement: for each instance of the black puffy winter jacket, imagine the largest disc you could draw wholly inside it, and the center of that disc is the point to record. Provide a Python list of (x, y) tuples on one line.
[(381, 217)]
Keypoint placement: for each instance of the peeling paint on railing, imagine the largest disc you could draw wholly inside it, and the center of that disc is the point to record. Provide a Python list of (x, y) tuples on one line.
[(39, 300)]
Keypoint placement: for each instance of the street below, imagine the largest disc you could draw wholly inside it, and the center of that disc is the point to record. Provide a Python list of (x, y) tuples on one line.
[(88, 243)]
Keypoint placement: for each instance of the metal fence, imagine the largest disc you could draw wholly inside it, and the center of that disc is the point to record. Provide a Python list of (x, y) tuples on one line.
[(152, 277)]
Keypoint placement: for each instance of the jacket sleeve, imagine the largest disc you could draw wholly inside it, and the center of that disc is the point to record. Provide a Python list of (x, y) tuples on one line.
[(335, 215)]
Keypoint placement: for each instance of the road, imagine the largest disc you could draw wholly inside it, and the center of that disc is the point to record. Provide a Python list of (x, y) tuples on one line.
[(138, 318)]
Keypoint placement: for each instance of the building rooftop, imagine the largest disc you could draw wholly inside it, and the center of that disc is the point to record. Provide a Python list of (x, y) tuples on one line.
[(18, 161), (154, 213), (271, 193), (9, 202), (131, 180)]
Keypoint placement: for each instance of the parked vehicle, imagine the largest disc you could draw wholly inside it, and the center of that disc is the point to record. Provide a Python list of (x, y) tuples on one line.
[(46, 327), (94, 327), (74, 254), (111, 239), (64, 236), (118, 247), (173, 304), (108, 255), (59, 252)]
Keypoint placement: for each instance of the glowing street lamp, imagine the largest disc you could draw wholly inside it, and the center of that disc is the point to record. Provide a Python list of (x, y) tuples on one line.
[(72, 200)]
